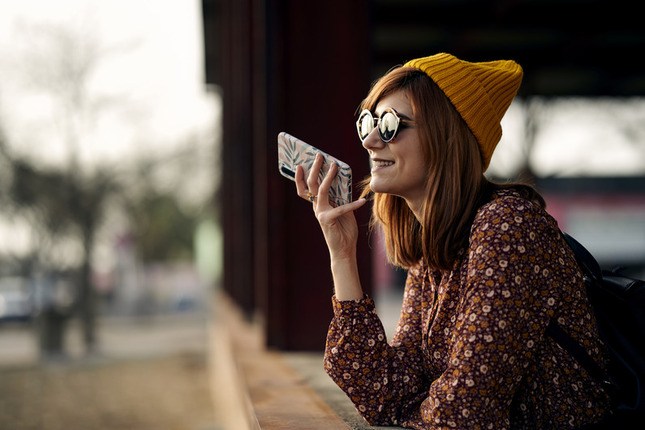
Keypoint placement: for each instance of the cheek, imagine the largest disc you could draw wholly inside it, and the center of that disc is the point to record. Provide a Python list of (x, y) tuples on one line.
[(417, 163), (412, 172), (419, 174)]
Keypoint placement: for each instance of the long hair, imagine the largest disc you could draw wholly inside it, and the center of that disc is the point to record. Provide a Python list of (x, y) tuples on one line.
[(455, 183)]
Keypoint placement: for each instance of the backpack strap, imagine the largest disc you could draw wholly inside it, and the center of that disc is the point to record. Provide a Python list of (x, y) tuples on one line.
[(579, 353), (592, 273), (586, 261)]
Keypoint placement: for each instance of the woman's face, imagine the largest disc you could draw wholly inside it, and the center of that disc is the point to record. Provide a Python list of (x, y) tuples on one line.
[(398, 167)]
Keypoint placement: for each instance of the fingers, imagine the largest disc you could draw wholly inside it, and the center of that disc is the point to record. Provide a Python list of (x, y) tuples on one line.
[(316, 191), (325, 185), (307, 188), (301, 186), (349, 207), (314, 173)]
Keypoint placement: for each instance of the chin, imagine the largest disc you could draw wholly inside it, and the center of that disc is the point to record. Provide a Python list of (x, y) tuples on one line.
[(377, 187), (381, 188)]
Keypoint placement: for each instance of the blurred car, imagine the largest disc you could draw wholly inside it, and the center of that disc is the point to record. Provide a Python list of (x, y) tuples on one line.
[(15, 299)]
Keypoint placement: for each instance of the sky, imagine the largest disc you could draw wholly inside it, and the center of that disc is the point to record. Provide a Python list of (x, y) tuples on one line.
[(148, 79)]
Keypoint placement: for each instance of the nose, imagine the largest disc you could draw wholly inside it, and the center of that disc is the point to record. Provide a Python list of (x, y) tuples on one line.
[(373, 140)]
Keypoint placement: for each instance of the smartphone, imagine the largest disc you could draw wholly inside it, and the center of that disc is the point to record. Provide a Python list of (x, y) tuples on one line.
[(293, 152)]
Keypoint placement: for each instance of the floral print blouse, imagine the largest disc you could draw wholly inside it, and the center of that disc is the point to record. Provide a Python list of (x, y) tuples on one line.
[(470, 350)]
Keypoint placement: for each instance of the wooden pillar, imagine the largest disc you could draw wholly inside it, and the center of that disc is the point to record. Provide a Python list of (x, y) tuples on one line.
[(299, 67), (228, 48)]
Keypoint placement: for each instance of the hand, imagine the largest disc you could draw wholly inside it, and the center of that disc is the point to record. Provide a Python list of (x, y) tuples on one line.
[(338, 224)]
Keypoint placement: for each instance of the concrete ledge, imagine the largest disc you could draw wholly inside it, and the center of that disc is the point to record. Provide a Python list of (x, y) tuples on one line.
[(311, 368), (232, 405), (255, 388)]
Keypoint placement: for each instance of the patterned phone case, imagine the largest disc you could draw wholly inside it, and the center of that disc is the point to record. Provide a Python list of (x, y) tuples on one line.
[(293, 152)]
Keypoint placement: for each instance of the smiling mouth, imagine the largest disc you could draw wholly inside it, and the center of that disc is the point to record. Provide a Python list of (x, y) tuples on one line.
[(381, 163)]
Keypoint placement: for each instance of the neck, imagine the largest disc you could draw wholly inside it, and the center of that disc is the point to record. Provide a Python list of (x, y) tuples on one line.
[(416, 206)]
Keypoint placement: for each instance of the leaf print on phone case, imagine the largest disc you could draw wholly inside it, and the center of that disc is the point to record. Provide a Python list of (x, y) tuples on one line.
[(293, 152)]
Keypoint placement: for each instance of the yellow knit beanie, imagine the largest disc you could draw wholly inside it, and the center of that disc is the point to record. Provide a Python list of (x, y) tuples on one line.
[(481, 92)]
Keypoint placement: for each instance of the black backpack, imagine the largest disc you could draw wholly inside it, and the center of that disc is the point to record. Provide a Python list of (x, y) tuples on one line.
[(619, 305)]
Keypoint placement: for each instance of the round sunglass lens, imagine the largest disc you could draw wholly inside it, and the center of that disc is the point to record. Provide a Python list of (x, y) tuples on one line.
[(388, 126), (366, 125)]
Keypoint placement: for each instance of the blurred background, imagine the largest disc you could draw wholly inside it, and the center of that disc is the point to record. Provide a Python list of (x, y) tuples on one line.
[(109, 240), (138, 175)]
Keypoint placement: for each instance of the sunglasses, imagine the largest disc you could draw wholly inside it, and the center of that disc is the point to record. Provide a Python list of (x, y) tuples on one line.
[(388, 124)]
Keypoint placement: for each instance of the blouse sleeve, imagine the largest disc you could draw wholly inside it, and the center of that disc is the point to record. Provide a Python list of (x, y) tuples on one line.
[(504, 310), (386, 383)]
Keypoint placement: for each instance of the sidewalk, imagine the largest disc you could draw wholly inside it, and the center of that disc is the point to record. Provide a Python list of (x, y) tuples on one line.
[(150, 375)]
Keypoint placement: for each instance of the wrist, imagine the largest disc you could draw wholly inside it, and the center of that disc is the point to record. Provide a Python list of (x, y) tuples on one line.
[(347, 285), (343, 257)]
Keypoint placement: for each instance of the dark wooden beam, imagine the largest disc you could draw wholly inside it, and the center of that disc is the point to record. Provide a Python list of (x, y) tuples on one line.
[(574, 47)]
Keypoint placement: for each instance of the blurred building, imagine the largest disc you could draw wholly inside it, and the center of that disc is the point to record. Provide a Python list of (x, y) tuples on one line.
[(606, 214)]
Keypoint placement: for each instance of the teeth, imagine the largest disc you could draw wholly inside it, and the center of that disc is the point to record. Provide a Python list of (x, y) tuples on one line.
[(382, 163)]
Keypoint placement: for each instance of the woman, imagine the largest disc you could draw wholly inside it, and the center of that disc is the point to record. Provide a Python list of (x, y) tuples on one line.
[(487, 267)]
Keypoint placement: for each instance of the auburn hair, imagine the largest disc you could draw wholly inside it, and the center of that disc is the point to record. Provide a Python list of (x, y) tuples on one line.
[(455, 183)]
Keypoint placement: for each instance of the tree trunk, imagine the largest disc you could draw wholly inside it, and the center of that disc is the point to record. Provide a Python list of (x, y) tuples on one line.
[(87, 296), (50, 328)]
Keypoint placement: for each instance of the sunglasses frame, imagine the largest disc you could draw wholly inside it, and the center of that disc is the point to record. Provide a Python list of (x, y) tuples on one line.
[(376, 123)]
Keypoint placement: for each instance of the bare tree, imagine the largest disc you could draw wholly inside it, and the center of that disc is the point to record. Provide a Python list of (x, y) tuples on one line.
[(65, 202)]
